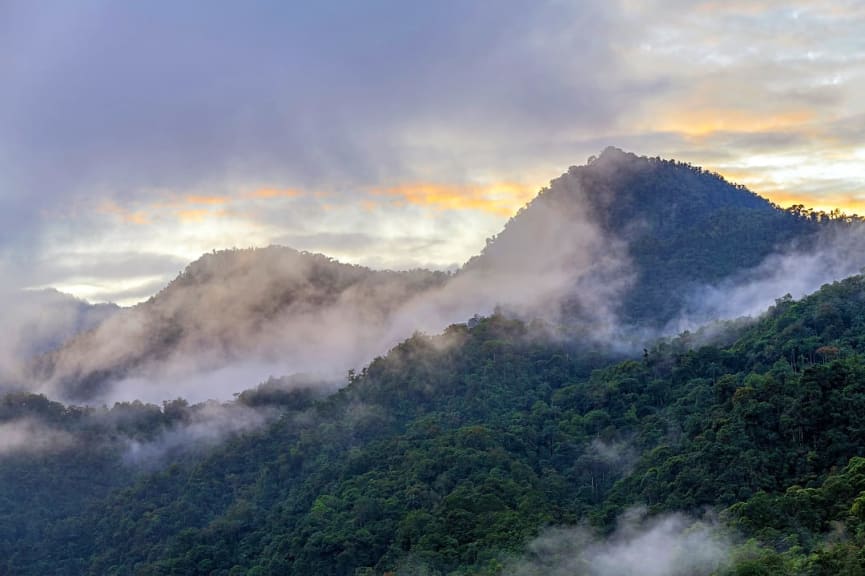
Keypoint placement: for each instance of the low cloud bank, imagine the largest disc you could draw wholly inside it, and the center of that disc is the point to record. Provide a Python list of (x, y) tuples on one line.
[(797, 270), (206, 426), (30, 436), (668, 545), (37, 321), (214, 337)]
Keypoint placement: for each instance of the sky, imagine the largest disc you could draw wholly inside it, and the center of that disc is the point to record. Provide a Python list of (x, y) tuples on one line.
[(135, 136)]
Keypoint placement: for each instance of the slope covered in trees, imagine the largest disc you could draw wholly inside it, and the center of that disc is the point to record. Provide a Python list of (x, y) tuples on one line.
[(236, 305), (623, 245), (452, 452), (681, 225), (37, 321)]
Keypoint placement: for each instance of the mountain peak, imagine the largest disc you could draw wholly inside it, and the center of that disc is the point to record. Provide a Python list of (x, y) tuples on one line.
[(680, 226), (612, 154)]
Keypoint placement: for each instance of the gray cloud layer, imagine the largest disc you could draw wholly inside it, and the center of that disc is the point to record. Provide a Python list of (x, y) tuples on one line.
[(127, 101), (117, 99), (29, 436)]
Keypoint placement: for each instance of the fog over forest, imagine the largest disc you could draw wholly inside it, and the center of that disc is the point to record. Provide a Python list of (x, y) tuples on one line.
[(456, 288)]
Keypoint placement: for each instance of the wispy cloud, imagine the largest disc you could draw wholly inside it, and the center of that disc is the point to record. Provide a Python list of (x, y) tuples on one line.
[(502, 198), (207, 200), (124, 214), (268, 193), (30, 436), (669, 545), (199, 214), (698, 124)]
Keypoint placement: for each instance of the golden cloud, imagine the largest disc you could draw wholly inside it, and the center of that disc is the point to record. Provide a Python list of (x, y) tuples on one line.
[(702, 123), (207, 200), (847, 203), (199, 214), (268, 193), (190, 208), (501, 198), (124, 214)]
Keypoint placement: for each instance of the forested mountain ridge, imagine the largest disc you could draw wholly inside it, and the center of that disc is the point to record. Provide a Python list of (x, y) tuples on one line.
[(621, 246), (683, 227), (448, 455), (38, 321), (234, 305), (471, 451)]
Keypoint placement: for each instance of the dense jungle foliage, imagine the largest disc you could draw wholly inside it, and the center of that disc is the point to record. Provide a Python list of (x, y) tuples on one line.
[(449, 454), (684, 227)]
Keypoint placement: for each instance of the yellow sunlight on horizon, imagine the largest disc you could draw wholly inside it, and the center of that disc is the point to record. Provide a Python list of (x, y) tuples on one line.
[(697, 124), (268, 193), (125, 215), (796, 178), (500, 198)]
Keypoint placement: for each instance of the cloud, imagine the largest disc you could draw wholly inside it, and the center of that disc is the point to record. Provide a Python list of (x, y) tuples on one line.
[(207, 200), (145, 434), (268, 193), (552, 260), (125, 215), (35, 322), (237, 317), (502, 198), (121, 276), (288, 93), (847, 203), (284, 99), (798, 270), (621, 456), (113, 265), (205, 426), (113, 144), (30, 436), (667, 545), (232, 319), (700, 123), (366, 247), (199, 214), (772, 80)]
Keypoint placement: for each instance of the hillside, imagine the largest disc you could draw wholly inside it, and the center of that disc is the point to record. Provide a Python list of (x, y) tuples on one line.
[(662, 229), (517, 443), (616, 252), (274, 306), (37, 321), (451, 453)]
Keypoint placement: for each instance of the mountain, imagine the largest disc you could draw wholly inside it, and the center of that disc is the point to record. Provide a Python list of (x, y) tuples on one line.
[(613, 252), (524, 441), (669, 227), (272, 305), (480, 451), (38, 321)]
